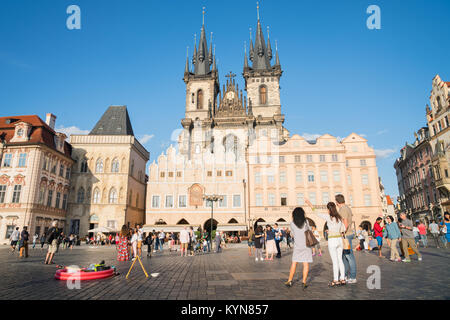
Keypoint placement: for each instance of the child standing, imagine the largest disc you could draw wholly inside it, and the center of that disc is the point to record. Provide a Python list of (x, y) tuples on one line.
[(317, 246)]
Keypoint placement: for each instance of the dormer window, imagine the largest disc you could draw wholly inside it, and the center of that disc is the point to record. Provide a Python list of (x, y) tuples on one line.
[(20, 132)]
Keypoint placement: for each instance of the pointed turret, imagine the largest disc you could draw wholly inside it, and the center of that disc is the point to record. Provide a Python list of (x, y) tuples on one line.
[(251, 46), (277, 58), (202, 66), (186, 67), (210, 55), (245, 57), (269, 47)]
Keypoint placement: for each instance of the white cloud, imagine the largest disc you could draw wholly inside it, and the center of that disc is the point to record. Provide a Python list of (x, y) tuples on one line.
[(363, 135), (71, 130), (146, 138), (382, 131), (384, 153)]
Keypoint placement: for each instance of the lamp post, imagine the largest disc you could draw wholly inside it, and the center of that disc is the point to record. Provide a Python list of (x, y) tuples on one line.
[(212, 198)]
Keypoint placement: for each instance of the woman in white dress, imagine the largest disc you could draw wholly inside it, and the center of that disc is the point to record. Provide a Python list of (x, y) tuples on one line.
[(335, 244), (301, 252)]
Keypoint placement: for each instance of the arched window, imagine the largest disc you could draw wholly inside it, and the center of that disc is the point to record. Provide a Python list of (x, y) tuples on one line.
[(83, 166), (115, 165), (263, 95), (99, 166), (112, 196), (80, 195), (230, 143), (200, 99), (96, 196)]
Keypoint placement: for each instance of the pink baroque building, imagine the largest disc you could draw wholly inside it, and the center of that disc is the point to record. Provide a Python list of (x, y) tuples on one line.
[(34, 174), (316, 170), (417, 191)]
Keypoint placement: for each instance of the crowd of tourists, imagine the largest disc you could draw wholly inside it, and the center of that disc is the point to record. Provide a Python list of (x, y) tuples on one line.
[(339, 235)]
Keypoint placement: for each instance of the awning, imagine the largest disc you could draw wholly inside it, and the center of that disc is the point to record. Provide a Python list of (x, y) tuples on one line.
[(280, 224), (231, 227), (167, 227), (102, 230)]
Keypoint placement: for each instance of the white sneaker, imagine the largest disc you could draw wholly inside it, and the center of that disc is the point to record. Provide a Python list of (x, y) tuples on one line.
[(256, 259), (351, 281), (420, 259)]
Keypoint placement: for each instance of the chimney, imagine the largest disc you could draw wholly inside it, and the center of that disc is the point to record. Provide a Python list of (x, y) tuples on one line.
[(50, 120)]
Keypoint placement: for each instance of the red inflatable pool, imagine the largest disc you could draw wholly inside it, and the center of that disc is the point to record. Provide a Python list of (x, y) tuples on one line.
[(62, 274)]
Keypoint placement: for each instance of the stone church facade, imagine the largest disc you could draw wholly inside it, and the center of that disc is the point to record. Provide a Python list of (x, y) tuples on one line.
[(237, 147)]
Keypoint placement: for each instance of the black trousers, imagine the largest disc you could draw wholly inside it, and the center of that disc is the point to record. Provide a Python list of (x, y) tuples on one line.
[(277, 243)]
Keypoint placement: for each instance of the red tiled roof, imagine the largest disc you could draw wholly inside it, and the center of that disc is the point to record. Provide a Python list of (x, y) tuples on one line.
[(40, 132), (389, 201), (448, 84)]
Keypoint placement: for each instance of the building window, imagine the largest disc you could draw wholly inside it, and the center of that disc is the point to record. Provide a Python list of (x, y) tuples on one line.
[(257, 177), (349, 180), (365, 179), (300, 199), (298, 176), (282, 159), (99, 166), (312, 197), (80, 195), (258, 200), (283, 199), (310, 176), (54, 163), (271, 179), (325, 197), (49, 198), (179, 174), (64, 203), (363, 162), (334, 157), (271, 198), (346, 163), (155, 202), (44, 164), (96, 196), (209, 173), (182, 201), (309, 158), (351, 200), (22, 160), (229, 173), (283, 177), (84, 166), (2, 193), (169, 201), (223, 202), (113, 196), (367, 200), (61, 170), (236, 200), (322, 158), (199, 99), (68, 173), (115, 166), (323, 176), (298, 158), (262, 95), (7, 160), (16, 193), (58, 199), (336, 176)]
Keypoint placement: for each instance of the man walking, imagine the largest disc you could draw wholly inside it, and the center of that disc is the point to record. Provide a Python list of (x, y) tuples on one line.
[(24, 237), (277, 231), (139, 241), (406, 226), (347, 256), (162, 236), (423, 233), (434, 230), (14, 239)]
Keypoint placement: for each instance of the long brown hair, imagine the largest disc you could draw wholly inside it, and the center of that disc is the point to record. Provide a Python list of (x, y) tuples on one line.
[(124, 231), (333, 211)]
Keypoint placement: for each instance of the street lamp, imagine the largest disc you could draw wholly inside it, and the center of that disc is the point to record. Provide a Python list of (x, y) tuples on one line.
[(212, 198)]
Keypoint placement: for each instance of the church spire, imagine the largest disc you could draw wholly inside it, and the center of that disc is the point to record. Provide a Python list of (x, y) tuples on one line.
[(186, 67), (202, 58), (260, 54), (277, 58), (245, 56), (269, 47), (251, 46)]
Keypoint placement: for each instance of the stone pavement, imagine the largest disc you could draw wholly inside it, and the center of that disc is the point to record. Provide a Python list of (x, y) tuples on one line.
[(230, 275)]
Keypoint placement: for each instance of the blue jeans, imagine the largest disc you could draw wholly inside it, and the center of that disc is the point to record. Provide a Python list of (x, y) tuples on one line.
[(161, 243), (349, 261), (423, 237)]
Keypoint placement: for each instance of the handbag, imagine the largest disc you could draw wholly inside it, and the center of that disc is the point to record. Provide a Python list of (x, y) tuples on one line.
[(310, 239), (345, 243)]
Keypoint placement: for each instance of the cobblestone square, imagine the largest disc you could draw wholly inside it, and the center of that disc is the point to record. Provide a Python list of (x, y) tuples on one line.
[(229, 275)]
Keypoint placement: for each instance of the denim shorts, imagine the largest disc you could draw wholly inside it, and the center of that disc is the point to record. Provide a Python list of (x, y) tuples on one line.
[(380, 241), (251, 243)]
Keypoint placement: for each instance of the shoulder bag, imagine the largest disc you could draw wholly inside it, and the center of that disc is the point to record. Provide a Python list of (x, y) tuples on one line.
[(310, 239)]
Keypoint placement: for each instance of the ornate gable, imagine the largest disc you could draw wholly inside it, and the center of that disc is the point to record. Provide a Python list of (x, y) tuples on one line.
[(232, 103)]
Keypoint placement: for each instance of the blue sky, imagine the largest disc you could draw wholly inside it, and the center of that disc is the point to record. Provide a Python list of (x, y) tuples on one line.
[(339, 76)]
